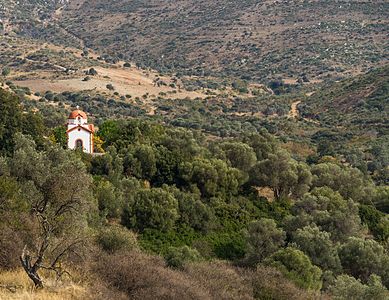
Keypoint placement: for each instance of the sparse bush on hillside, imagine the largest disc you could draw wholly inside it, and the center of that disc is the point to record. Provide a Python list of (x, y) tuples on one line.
[(5, 71)]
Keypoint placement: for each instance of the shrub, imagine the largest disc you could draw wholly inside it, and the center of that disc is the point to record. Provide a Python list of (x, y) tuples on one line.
[(362, 258), (270, 283), (109, 199), (347, 287), (152, 208), (5, 72), (11, 245), (220, 279), (92, 72), (263, 239), (296, 266), (141, 276), (115, 238), (177, 257), (110, 87)]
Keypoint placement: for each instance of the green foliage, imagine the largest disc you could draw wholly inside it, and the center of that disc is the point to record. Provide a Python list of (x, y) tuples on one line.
[(109, 198), (141, 162), (115, 238), (151, 208), (240, 155), (177, 257), (192, 211), (296, 266), (11, 199), (377, 221), (5, 71), (381, 199), (13, 120), (349, 182), (121, 134), (263, 239), (10, 120), (158, 241), (282, 174), (212, 177), (318, 246), (227, 245), (347, 287), (363, 257), (60, 137), (329, 211)]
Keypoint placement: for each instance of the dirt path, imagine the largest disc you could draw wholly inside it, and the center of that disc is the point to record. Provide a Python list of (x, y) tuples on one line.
[(294, 113)]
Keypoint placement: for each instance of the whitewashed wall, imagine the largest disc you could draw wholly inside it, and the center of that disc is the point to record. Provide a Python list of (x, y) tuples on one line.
[(83, 135)]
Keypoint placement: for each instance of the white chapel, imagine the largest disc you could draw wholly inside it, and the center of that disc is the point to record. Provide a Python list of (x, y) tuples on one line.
[(79, 132)]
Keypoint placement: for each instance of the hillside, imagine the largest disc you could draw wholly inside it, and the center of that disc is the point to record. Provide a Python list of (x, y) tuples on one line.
[(248, 39), (358, 102), (182, 149), (310, 40), (170, 213)]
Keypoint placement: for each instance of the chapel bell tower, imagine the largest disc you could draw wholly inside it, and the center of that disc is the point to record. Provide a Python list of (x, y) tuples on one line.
[(79, 132)]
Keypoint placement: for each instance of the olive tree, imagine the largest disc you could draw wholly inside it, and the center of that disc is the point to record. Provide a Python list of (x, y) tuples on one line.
[(282, 174), (55, 187), (318, 246), (329, 211), (263, 239), (347, 287), (351, 183), (363, 257), (151, 208)]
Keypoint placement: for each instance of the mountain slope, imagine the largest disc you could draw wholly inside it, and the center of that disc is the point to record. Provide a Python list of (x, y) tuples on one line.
[(248, 39), (360, 101)]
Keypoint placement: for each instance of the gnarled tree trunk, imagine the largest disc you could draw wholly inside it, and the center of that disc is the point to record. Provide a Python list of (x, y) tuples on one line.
[(31, 269)]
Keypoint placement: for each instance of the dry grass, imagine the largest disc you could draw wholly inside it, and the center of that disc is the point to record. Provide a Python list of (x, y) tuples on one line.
[(220, 280), (141, 276), (15, 285)]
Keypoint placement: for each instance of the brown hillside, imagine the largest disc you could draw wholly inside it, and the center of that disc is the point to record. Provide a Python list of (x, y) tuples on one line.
[(240, 38)]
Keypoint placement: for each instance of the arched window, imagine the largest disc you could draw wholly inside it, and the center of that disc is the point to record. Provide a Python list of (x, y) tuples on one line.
[(79, 120), (79, 145)]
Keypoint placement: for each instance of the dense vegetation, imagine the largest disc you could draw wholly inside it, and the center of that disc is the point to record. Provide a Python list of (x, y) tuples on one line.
[(271, 183), (232, 217), (355, 131)]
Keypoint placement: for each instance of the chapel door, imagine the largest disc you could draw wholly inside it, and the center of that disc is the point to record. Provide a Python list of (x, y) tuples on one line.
[(79, 145)]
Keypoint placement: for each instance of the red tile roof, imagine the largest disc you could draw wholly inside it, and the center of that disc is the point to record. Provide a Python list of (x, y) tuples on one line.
[(75, 113), (89, 128)]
